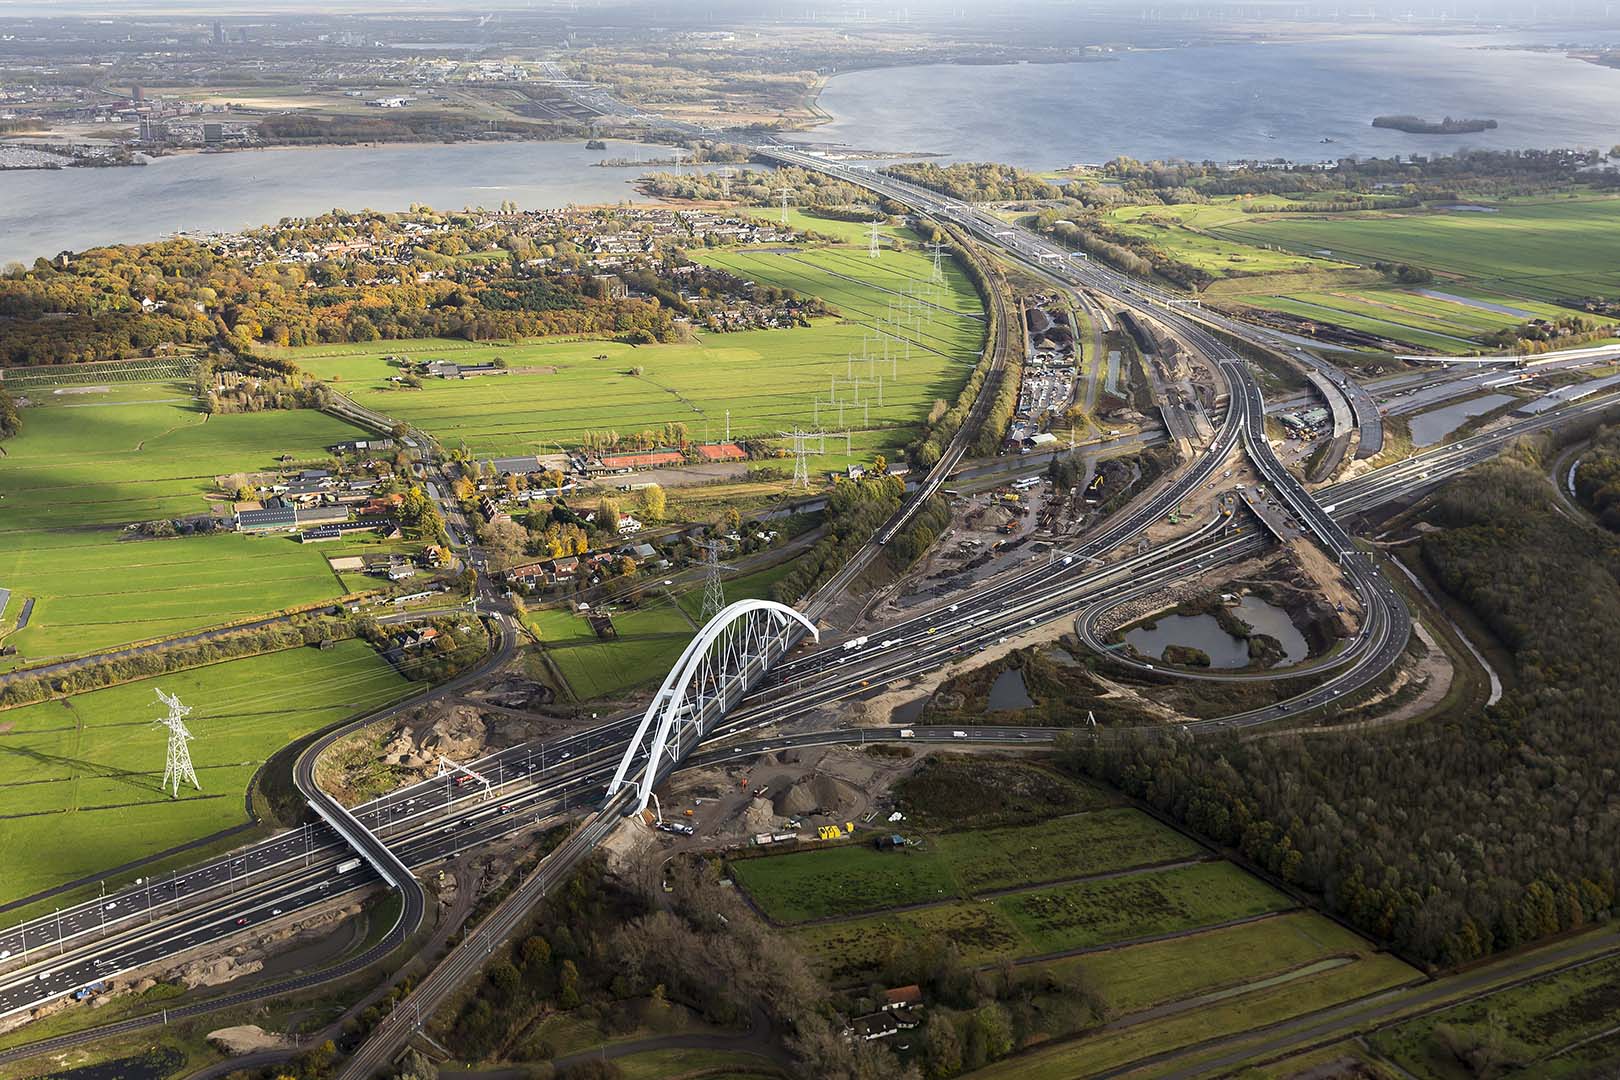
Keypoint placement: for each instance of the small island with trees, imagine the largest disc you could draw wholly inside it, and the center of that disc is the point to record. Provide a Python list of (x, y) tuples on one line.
[(1416, 125)]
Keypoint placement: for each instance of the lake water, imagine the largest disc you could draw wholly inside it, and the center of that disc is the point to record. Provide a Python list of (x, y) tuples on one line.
[(43, 212), (1205, 632), (1430, 427), (1226, 102)]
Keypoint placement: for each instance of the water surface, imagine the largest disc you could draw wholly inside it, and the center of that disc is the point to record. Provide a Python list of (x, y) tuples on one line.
[(1430, 427), (1226, 102), (43, 212), (1225, 651)]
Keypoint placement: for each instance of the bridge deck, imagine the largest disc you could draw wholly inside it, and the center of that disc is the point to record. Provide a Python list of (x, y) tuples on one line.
[(1272, 515), (365, 843)]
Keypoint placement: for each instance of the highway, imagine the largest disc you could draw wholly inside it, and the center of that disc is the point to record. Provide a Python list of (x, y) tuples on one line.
[(1075, 268), (946, 635)]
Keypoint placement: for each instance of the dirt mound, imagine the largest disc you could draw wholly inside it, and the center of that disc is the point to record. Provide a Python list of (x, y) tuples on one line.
[(247, 1039), (819, 793), (794, 800), (757, 817)]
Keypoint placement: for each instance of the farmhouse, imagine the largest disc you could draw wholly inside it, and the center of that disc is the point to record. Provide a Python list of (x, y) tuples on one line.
[(449, 369)]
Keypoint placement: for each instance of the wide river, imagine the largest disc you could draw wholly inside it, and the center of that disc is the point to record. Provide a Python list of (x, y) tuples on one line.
[(1229, 102), (43, 212)]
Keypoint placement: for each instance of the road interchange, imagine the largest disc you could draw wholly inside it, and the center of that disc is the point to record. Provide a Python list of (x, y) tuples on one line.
[(424, 823)]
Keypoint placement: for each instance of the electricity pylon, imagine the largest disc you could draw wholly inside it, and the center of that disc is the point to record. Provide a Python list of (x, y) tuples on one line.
[(801, 451), (177, 769), (714, 590)]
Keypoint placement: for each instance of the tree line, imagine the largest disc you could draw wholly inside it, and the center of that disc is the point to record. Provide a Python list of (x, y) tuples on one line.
[(975, 181)]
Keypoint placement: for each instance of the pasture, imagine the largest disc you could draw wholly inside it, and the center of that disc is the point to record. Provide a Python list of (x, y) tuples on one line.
[(767, 380), (853, 879), (1043, 920), (1537, 248), (83, 774), (89, 461)]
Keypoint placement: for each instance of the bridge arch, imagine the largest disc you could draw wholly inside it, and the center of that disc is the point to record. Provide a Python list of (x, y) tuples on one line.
[(718, 666)]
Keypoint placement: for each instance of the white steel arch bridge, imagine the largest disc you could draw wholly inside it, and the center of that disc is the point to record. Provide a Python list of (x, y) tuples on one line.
[(726, 658)]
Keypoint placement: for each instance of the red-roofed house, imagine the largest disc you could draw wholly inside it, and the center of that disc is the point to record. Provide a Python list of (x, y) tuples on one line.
[(902, 997)]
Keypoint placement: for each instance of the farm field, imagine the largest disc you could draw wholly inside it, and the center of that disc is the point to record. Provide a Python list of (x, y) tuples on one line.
[(1138, 977), (853, 879), (1109, 1050), (1044, 920), (83, 774), (90, 461), (1545, 1023), (768, 380), (1538, 249)]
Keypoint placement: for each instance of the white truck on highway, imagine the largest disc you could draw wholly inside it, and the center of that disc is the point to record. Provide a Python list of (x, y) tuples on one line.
[(348, 864)]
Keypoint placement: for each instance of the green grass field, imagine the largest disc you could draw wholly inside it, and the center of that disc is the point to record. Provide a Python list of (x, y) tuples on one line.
[(768, 380), (82, 774), (86, 464), (1542, 249), (1139, 977), (1537, 1025), (1045, 920), (854, 879), (650, 639), (1524, 255), (1192, 232)]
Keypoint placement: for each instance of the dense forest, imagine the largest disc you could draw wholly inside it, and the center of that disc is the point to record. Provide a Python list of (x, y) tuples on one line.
[(1477, 172), (1597, 477), (1468, 834), (758, 187)]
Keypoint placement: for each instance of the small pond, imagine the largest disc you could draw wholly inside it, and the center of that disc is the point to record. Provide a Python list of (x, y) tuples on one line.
[(1225, 651), (1009, 692), (1430, 427)]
